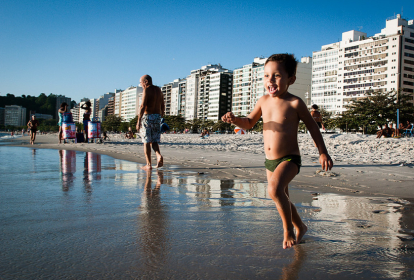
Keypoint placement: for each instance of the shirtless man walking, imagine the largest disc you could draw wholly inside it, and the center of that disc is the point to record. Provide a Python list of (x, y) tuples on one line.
[(149, 118)]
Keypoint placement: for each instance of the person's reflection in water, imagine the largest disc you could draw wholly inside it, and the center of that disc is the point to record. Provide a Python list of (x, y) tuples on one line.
[(227, 198), (91, 170), (153, 226), (291, 271), (67, 168)]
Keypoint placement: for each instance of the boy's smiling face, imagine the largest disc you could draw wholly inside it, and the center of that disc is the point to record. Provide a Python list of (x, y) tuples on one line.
[(276, 79)]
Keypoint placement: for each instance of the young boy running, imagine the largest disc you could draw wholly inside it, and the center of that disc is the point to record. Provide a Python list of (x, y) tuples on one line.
[(281, 112)]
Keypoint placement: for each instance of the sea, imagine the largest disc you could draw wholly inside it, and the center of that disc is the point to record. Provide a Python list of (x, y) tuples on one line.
[(81, 215)]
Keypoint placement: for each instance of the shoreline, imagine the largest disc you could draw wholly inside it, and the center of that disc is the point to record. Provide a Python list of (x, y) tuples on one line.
[(242, 158)]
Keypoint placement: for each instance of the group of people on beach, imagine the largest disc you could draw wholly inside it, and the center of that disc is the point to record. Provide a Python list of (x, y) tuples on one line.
[(281, 113), (389, 131), (87, 106)]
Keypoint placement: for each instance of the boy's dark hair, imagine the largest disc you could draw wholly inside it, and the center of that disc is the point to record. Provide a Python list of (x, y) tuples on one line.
[(288, 61), (314, 106)]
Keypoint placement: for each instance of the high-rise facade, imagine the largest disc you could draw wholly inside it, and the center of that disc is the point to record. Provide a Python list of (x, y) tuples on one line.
[(198, 91), (349, 69), (76, 114), (2, 116), (220, 95), (174, 97), (127, 103), (14, 115)]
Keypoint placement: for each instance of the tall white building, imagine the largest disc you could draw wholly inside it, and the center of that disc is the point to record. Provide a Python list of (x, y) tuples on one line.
[(248, 84), (173, 97), (15, 115), (127, 103), (220, 96), (197, 91), (76, 114), (358, 64)]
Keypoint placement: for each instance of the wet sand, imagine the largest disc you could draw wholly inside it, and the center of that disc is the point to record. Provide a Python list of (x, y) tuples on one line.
[(363, 165), (82, 215)]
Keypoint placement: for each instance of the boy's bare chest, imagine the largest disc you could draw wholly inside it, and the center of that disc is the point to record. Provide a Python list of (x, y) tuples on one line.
[(279, 114)]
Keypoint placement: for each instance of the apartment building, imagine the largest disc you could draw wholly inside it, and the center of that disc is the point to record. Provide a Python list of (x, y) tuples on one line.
[(174, 97), (15, 115), (248, 84), (76, 114), (2, 116), (111, 105), (198, 89), (43, 116), (127, 103), (358, 64), (220, 96), (101, 107)]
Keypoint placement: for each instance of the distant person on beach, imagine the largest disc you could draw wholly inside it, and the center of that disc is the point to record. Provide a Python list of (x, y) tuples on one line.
[(63, 108), (129, 134), (281, 113), (316, 115), (408, 125), (86, 117), (386, 131), (32, 125), (149, 118), (205, 133), (105, 136)]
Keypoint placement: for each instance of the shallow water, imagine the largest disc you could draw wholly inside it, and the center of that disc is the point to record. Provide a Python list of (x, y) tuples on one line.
[(76, 215)]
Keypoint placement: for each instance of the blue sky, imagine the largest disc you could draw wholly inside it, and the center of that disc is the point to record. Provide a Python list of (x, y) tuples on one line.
[(87, 48)]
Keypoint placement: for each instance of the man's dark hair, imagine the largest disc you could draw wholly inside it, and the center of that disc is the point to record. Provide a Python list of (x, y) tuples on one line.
[(88, 103), (314, 106), (288, 60)]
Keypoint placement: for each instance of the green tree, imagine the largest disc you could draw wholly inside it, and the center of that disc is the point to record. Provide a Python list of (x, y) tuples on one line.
[(193, 125), (111, 123), (123, 126), (133, 123), (221, 126), (374, 110), (176, 123)]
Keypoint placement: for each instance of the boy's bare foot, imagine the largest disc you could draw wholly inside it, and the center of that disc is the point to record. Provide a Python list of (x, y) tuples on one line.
[(160, 161), (146, 167), (289, 239), (300, 232)]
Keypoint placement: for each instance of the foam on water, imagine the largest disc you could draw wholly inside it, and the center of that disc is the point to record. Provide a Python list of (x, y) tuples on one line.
[(67, 214)]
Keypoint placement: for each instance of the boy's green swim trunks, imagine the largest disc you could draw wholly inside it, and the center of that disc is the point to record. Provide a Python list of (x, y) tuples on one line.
[(271, 164)]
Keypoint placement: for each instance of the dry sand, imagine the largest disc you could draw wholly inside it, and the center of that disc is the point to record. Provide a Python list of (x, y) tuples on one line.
[(363, 165)]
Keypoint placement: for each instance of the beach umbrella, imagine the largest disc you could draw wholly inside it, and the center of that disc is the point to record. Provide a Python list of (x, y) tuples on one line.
[(239, 130)]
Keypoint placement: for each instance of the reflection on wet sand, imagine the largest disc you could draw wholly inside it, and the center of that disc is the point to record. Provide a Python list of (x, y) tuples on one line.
[(91, 170), (153, 225), (291, 271), (67, 168), (167, 224)]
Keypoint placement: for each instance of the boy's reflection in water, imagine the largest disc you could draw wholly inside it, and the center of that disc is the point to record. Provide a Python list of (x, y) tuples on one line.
[(291, 271), (152, 224), (91, 170), (67, 168)]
